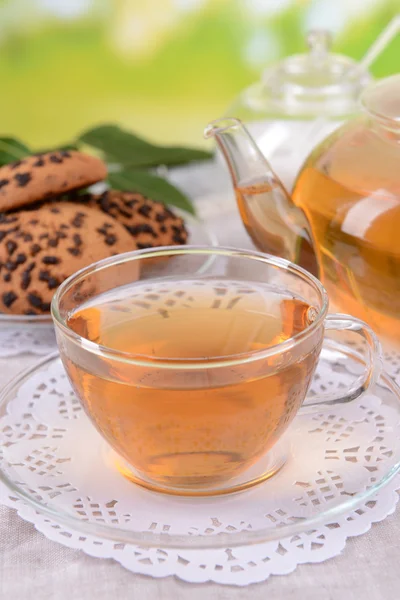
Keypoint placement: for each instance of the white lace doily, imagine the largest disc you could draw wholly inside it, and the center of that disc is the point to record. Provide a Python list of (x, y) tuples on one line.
[(53, 452), (40, 340)]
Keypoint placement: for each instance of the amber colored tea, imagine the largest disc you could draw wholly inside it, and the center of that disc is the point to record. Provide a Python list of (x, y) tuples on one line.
[(173, 415), (357, 236), (274, 224)]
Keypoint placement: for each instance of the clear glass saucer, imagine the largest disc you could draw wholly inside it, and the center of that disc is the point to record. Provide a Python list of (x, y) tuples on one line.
[(53, 460)]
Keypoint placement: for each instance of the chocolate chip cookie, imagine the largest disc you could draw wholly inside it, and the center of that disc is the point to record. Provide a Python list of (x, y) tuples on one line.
[(41, 248), (150, 223), (47, 175)]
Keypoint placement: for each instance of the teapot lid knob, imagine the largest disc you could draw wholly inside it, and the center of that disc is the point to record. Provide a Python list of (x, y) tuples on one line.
[(319, 42)]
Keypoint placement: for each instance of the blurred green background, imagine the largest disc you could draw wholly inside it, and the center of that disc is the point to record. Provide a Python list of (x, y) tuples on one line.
[(162, 67)]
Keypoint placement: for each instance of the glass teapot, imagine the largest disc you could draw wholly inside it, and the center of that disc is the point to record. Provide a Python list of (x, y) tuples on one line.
[(343, 221), (301, 99)]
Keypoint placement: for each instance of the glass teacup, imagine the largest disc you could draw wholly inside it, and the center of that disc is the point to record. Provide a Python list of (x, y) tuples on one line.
[(193, 369)]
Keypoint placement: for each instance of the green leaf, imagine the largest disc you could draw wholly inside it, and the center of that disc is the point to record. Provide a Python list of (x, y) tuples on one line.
[(151, 186), (11, 150), (57, 149), (130, 150)]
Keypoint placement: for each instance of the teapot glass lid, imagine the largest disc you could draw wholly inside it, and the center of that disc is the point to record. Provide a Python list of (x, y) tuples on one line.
[(316, 83)]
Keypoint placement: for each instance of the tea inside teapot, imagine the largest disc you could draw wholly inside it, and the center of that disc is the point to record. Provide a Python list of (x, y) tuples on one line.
[(349, 190)]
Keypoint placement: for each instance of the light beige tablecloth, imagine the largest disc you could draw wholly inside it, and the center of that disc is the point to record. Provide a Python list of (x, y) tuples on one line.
[(33, 567)]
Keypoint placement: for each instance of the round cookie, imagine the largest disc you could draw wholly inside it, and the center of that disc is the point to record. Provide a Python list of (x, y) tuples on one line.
[(41, 248), (46, 175), (150, 223)]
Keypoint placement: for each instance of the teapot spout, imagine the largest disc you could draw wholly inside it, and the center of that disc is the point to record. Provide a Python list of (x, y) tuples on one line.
[(242, 155), (275, 224)]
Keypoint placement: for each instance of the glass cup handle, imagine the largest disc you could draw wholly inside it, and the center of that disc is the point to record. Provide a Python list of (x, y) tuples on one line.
[(340, 322)]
